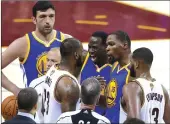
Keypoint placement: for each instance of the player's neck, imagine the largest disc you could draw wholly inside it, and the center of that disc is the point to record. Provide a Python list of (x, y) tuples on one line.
[(146, 75), (102, 62), (67, 66), (24, 111), (84, 106), (46, 38), (125, 60)]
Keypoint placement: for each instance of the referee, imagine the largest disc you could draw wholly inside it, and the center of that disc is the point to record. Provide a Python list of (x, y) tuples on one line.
[(90, 94)]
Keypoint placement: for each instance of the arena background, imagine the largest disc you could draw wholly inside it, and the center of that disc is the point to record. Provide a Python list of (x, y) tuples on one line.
[(146, 22)]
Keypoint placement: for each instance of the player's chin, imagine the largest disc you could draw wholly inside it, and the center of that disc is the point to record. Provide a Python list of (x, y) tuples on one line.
[(93, 59), (47, 30)]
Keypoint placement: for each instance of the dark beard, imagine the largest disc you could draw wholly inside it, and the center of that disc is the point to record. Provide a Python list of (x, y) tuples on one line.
[(79, 62), (132, 71)]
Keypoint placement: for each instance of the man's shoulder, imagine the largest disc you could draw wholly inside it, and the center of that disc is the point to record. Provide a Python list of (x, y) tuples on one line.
[(37, 81), (68, 114), (101, 118), (19, 119)]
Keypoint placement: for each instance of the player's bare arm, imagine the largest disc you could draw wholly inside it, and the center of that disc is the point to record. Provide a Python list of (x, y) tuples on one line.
[(132, 93), (17, 49), (67, 93), (167, 106), (67, 36)]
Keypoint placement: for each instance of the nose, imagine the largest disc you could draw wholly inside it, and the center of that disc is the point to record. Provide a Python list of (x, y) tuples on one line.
[(47, 21), (49, 64), (107, 48), (91, 50)]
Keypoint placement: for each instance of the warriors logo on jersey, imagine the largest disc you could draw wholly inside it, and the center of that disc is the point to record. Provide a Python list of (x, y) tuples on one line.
[(111, 93), (41, 64)]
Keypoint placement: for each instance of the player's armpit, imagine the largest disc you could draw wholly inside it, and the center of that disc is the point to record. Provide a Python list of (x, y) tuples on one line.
[(132, 98), (68, 93), (16, 49), (166, 116)]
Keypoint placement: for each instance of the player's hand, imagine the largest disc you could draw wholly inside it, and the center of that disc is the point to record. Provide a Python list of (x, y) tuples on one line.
[(101, 80)]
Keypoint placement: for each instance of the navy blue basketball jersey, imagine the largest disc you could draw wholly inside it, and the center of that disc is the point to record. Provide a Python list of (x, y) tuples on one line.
[(34, 64), (119, 77), (89, 69)]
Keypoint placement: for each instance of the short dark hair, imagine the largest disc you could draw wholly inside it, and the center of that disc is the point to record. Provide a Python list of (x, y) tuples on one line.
[(41, 6), (90, 90), (27, 99), (69, 46), (101, 34), (123, 37), (143, 53), (133, 121)]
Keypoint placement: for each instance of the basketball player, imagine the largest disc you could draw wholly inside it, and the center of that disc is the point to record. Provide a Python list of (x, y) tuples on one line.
[(118, 46), (53, 57), (144, 98), (96, 63), (61, 89), (90, 94), (32, 48)]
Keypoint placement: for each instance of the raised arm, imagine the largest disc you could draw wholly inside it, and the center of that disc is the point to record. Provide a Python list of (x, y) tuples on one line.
[(17, 49), (166, 116), (132, 98), (67, 93)]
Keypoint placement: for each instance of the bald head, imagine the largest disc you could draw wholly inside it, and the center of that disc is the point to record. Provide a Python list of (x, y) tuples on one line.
[(53, 57), (90, 91)]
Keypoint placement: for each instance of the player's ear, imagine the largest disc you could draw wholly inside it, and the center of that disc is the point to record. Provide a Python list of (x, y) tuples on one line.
[(35, 107), (136, 64), (125, 45), (34, 20), (76, 55)]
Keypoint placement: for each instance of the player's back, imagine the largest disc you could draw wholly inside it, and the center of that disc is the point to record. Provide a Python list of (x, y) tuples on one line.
[(152, 110), (34, 63), (51, 107), (37, 85)]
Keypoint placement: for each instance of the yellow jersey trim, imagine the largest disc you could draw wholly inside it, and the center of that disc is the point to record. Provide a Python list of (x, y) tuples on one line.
[(124, 67), (62, 36), (128, 75), (102, 67), (85, 61), (28, 49), (114, 66), (42, 42)]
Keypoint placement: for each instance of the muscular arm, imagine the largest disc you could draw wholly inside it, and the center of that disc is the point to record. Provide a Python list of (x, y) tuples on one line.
[(67, 92), (131, 97), (16, 49), (166, 116)]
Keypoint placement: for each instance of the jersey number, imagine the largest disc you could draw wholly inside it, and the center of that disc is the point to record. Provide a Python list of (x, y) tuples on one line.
[(155, 112), (46, 99)]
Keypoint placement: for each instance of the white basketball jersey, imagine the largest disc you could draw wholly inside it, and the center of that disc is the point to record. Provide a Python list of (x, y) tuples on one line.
[(52, 108), (37, 85), (152, 110)]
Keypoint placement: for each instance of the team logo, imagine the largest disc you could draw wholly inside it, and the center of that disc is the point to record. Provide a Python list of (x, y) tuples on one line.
[(41, 64), (111, 93)]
